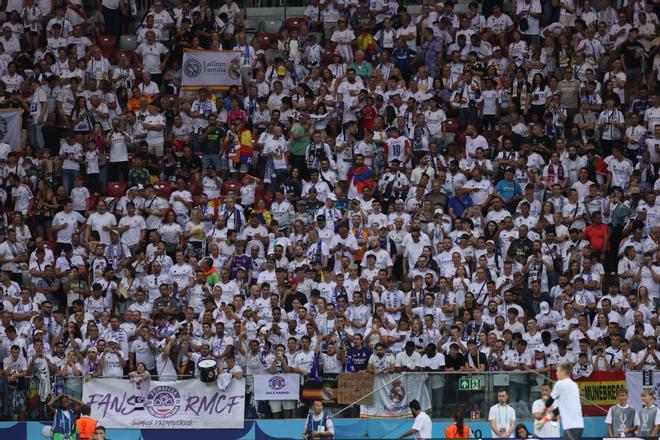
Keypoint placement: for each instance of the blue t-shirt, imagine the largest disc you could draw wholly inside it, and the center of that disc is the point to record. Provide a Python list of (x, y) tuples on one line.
[(508, 190), (460, 205)]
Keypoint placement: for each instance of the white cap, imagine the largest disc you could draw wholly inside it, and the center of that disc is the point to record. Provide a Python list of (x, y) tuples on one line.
[(545, 308)]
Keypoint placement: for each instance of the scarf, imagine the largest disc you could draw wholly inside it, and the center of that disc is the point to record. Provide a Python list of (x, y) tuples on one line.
[(551, 172)]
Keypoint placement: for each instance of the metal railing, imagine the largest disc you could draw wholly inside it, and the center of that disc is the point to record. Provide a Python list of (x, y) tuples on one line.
[(473, 393)]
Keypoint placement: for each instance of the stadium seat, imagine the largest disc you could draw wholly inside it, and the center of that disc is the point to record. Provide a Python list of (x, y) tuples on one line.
[(194, 188), (261, 189), (266, 40), (133, 60), (251, 26), (128, 42), (452, 126), (137, 70), (268, 199), (272, 26), (117, 189), (52, 245), (326, 58), (231, 185), (295, 23), (165, 189), (107, 43), (460, 140)]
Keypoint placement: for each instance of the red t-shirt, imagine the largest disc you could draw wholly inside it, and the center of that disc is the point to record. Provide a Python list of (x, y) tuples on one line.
[(596, 236)]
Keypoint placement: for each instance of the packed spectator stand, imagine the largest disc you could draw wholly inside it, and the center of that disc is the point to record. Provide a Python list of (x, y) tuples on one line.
[(385, 192)]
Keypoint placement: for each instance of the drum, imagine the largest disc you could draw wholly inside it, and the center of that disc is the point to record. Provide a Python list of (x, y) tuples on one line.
[(208, 370)]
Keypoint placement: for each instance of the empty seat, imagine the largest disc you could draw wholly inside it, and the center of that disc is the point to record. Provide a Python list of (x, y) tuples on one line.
[(194, 188), (165, 189), (231, 185), (117, 189), (452, 125), (251, 26), (266, 40), (107, 43), (128, 42), (272, 26), (294, 23)]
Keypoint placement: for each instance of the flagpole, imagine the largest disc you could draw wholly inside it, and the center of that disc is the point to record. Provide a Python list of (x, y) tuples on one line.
[(366, 395)]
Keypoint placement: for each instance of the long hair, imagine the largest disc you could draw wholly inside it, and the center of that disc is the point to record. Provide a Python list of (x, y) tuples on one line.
[(458, 418)]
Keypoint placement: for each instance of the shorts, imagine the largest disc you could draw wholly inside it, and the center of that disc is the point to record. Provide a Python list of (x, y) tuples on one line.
[(277, 406)]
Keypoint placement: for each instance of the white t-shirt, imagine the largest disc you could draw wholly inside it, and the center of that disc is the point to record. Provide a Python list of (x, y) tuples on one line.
[(155, 137), (503, 416), (277, 147), (97, 221), (423, 425), (567, 395), (72, 219)]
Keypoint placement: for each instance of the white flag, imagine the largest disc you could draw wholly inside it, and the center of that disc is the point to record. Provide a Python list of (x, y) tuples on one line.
[(10, 128)]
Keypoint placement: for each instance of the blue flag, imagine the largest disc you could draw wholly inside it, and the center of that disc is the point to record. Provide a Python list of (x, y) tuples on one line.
[(316, 370)]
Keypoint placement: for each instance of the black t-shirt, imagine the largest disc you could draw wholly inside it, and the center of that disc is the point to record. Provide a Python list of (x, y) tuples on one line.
[(454, 363), (629, 49), (190, 164)]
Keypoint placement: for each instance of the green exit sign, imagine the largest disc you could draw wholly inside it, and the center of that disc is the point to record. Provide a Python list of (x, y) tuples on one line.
[(469, 384)]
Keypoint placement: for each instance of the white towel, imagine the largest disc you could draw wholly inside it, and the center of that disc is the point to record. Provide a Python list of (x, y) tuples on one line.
[(223, 381)]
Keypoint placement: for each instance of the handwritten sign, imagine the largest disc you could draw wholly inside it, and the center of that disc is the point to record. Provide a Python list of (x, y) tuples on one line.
[(354, 386)]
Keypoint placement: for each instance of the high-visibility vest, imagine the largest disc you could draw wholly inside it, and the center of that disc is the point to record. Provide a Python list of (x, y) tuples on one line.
[(86, 427)]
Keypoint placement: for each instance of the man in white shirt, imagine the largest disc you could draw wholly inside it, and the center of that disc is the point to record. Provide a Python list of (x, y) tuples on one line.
[(422, 427), (154, 123), (65, 223), (502, 417), (567, 395), (151, 51)]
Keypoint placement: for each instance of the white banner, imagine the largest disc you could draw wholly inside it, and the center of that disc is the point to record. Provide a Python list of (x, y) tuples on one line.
[(10, 128), (215, 70), (635, 382), (276, 386), (391, 401), (188, 404)]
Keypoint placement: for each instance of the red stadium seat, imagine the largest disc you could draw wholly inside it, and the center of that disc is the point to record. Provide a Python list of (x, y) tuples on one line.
[(452, 126), (295, 23), (326, 58), (460, 140), (231, 185), (108, 44), (52, 245), (133, 60), (117, 189), (194, 188), (165, 189), (266, 40), (138, 74), (261, 189), (268, 199)]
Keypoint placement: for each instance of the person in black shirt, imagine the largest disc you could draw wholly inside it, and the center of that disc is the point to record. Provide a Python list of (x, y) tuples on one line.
[(475, 360), (189, 164), (454, 361), (521, 247), (632, 53)]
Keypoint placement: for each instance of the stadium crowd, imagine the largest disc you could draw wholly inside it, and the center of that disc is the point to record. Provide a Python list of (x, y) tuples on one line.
[(467, 192)]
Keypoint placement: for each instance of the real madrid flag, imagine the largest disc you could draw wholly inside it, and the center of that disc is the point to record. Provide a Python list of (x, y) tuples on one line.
[(212, 69), (10, 128)]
